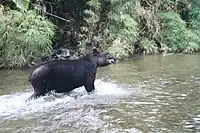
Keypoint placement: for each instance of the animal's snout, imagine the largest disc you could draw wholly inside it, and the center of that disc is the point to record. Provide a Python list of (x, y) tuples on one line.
[(112, 60)]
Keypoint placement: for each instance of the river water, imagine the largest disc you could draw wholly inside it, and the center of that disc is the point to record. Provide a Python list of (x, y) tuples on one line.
[(151, 94)]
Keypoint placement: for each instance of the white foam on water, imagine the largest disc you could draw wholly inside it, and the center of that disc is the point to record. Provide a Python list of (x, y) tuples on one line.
[(132, 130), (15, 105)]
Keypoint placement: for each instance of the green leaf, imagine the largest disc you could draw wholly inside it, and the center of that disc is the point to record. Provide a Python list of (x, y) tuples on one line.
[(22, 4)]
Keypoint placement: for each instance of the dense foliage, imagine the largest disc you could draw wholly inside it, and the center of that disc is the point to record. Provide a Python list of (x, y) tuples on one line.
[(123, 27), (25, 37)]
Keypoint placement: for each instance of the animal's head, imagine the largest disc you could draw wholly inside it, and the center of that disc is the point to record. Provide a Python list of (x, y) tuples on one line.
[(102, 58)]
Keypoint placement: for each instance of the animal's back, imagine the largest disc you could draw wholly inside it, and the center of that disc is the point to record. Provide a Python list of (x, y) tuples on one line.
[(71, 74), (56, 64), (63, 72)]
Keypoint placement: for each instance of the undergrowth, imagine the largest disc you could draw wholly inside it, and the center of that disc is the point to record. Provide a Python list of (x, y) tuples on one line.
[(24, 37)]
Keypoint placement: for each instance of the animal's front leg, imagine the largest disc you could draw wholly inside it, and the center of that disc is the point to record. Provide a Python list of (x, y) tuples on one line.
[(89, 86)]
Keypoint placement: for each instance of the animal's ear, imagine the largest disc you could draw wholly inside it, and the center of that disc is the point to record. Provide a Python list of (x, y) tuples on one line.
[(95, 51)]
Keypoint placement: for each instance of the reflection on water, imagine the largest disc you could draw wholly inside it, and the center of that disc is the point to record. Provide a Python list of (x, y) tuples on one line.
[(150, 94)]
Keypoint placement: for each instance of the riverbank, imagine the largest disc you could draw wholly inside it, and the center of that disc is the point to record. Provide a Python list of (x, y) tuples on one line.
[(67, 54)]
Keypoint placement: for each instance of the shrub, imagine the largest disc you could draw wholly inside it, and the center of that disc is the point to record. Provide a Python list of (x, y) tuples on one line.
[(90, 36), (122, 27), (175, 34), (25, 37), (149, 46)]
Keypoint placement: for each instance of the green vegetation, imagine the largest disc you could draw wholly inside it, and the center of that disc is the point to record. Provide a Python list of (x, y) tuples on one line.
[(123, 27), (22, 4), (25, 37)]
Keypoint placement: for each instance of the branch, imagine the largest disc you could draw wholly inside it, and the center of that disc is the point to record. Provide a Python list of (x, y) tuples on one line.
[(66, 20)]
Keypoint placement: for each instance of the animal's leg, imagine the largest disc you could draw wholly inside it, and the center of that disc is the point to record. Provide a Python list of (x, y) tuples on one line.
[(89, 86), (40, 88)]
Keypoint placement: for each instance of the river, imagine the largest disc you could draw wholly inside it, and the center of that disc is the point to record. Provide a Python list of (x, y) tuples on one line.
[(151, 94)]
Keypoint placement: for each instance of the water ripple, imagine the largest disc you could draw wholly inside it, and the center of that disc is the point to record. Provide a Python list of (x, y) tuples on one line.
[(77, 112)]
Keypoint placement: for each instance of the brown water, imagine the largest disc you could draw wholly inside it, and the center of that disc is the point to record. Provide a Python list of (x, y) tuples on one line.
[(151, 94)]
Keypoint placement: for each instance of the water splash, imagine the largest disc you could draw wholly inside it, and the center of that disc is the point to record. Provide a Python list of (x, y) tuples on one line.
[(15, 105), (132, 130)]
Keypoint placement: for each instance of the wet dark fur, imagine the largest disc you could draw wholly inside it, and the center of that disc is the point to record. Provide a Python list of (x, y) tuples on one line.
[(65, 75)]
